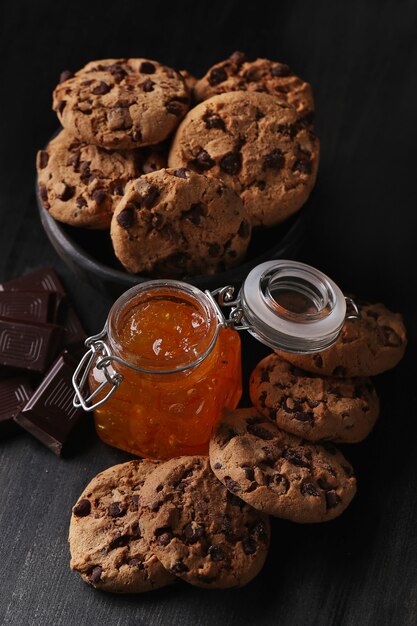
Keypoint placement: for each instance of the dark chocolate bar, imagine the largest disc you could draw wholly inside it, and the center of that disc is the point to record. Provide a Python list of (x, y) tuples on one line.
[(74, 334), (44, 279), (28, 345), (35, 306), (50, 415), (14, 394)]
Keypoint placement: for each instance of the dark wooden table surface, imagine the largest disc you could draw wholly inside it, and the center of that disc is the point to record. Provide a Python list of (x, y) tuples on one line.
[(361, 58)]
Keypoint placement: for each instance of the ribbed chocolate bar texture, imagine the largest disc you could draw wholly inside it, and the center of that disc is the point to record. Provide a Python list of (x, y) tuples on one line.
[(44, 279), (50, 415), (14, 394), (28, 345), (35, 306)]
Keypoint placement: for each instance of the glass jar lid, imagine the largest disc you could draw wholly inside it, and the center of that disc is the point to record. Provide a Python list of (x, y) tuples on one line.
[(291, 306)]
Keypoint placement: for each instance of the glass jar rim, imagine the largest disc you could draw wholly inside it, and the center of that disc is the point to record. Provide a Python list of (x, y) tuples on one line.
[(155, 365)]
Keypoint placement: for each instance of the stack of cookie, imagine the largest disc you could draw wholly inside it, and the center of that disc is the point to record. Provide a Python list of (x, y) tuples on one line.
[(245, 156)]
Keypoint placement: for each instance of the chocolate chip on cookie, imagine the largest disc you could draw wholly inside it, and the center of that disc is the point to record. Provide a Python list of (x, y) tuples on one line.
[(197, 531), (278, 473), (256, 145), (365, 347), (312, 406), (122, 103), (262, 75), (174, 222), (106, 545)]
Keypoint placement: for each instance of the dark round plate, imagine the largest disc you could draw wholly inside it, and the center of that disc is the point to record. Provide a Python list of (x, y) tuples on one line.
[(89, 253)]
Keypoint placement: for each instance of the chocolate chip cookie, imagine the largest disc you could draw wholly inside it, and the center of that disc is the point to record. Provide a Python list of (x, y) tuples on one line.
[(257, 146), (200, 531), (177, 223), (312, 406), (366, 347), (121, 103), (107, 548), (237, 73), (277, 472), (80, 184)]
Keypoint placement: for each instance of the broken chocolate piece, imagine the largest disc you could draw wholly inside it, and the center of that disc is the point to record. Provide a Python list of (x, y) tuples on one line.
[(28, 345), (14, 393)]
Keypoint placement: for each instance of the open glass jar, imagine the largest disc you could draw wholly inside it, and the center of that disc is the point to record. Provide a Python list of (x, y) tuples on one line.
[(168, 361)]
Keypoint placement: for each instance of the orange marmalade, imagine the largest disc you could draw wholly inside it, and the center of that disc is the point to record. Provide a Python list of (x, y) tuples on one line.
[(180, 369)]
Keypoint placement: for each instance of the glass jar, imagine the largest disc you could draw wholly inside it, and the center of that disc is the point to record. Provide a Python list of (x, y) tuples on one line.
[(168, 361)]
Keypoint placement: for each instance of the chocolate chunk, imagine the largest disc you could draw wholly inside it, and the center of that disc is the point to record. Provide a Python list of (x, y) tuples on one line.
[(95, 574), (134, 562), (332, 499), (28, 345), (43, 159), (147, 85), (318, 361), (101, 89), (217, 75), (182, 172), (264, 378), (147, 68), (36, 306), (14, 393), (65, 75), (81, 202), (203, 161), (179, 568), (212, 120), (231, 484), (294, 457), (126, 217), (244, 229), (237, 58), (193, 533), (275, 160), (217, 465), (67, 193), (216, 553), (259, 114), (135, 502), (117, 72), (196, 213), (259, 431), (119, 541), (174, 107), (308, 489), (249, 473), (99, 196), (280, 482), (389, 337), (137, 135), (82, 508), (116, 509), (249, 546), (304, 166), (150, 197), (260, 531), (231, 163), (262, 398), (214, 249), (251, 74), (49, 414), (280, 70), (164, 535)]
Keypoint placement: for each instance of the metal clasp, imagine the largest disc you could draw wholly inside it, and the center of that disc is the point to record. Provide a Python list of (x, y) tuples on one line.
[(225, 298), (79, 380), (355, 313)]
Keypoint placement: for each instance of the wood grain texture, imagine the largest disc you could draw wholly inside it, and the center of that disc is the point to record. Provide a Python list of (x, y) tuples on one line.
[(361, 58)]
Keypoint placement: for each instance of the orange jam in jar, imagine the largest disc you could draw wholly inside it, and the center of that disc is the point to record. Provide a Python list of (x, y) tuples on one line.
[(179, 367)]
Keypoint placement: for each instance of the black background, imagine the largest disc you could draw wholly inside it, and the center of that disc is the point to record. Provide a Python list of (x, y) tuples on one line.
[(361, 58)]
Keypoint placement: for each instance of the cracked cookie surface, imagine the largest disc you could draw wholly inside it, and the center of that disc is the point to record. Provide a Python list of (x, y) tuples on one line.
[(198, 529), (365, 347), (277, 472), (257, 146), (312, 406), (237, 73), (106, 546), (121, 103), (177, 223)]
